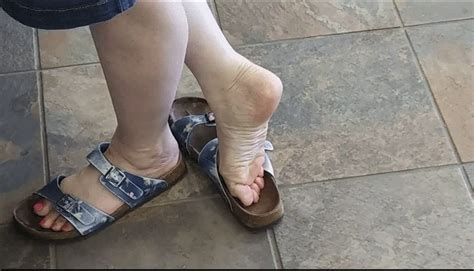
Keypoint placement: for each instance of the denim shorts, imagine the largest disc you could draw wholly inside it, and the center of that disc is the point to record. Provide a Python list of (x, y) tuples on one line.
[(63, 14)]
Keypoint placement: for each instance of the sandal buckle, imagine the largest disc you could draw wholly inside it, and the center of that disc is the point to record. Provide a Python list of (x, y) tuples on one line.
[(69, 204), (115, 176), (73, 207), (210, 117)]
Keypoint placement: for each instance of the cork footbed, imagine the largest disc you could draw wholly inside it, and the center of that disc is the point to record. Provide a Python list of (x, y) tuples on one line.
[(269, 208), (28, 221)]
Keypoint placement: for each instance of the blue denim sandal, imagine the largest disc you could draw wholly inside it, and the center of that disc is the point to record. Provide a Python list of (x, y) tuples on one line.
[(193, 125), (131, 189)]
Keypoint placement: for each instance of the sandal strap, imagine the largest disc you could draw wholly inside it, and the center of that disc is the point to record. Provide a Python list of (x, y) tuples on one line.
[(133, 190), (267, 164), (207, 160), (84, 217), (183, 128)]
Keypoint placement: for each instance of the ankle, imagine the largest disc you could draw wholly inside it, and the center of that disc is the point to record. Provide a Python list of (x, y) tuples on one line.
[(150, 160)]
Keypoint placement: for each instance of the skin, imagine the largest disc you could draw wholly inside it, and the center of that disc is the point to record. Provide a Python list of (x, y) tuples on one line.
[(142, 53)]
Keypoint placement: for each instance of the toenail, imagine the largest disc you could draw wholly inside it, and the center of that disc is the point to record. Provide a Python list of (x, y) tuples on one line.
[(43, 221), (38, 206)]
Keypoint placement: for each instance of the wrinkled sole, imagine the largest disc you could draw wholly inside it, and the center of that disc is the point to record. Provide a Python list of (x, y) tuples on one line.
[(261, 215)]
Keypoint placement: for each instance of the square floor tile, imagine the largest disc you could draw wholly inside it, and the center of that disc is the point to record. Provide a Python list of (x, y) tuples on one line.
[(417, 12), (352, 105), (79, 115), (21, 168), (419, 219), (66, 47), (247, 21), (446, 53), (16, 45), (20, 251), (200, 234)]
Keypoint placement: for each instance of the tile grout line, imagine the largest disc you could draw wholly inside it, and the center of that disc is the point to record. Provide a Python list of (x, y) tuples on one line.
[(254, 44), (276, 255), (50, 68), (410, 170), (296, 39), (402, 26), (465, 177), (17, 72), (213, 196), (71, 66), (469, 185), (203, 198), (437, 22), (39, 82), (428, 85), (36, 56), (43, 134), (52, 257), (259, 43), (43, 139)]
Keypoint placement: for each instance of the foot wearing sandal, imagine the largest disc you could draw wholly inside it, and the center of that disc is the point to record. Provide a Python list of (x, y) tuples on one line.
[(150, 162), (243, 102), (147, 165), (193, 125)]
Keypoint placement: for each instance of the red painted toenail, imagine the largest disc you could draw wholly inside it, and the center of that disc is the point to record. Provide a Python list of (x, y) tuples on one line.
[(38, 206), (43, 221)]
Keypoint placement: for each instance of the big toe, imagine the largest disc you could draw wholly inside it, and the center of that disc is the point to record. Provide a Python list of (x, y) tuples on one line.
[(42, 207)]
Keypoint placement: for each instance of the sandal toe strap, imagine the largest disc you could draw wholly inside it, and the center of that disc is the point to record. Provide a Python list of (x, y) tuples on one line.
[(132, 189), (84, 217)]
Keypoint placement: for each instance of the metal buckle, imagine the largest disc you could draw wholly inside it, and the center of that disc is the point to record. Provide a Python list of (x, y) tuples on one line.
[(115, 176), (74, 208), (69, 204), (210, 117)]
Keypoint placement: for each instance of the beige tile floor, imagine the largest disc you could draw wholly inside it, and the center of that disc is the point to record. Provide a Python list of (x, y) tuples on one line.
[(374, 141)]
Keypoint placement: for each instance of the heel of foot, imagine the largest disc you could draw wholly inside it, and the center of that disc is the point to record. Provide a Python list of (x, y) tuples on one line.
[(261, 89)]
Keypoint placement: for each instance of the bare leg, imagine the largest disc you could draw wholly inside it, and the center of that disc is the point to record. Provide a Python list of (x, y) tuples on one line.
[(142, 53), (242, 95)]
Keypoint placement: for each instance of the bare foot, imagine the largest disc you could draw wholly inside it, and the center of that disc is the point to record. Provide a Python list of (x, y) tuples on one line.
[(150, 162), (243, 107)]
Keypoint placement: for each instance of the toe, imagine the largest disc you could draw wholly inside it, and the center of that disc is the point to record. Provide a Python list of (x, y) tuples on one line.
[(256, 196), (255, 188), (260, 182), (58, 224), (67, 227), (244, 193), (48, 220), (42, 207)]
